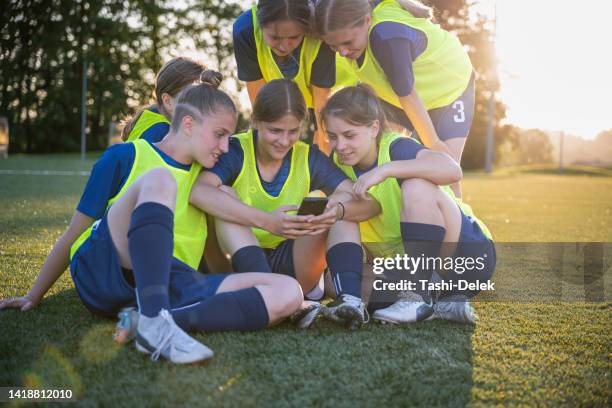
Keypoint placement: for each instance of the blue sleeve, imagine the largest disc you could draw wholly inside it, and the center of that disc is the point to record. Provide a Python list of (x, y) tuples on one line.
[(156, 132), (107, 177), (230, 164), (404, 149), (324, 174), (324, 68), (245, 49), (395, 47)]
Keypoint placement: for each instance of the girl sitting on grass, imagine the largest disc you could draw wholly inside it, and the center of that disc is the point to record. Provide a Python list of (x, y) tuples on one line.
[(270, 171), (147, 240), (416, 215)]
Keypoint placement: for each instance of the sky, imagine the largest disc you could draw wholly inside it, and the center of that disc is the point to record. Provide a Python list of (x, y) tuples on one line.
[(555, 61)]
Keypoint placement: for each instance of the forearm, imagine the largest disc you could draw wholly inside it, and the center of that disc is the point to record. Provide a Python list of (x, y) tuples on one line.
[(59, 258), (320, 96), (253, 88), (56, 263), (355, 210), (419, 117), (436, 167), (224, 206)]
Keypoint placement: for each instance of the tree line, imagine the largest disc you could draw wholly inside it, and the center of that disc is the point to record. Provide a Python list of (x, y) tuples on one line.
[(45, 43)]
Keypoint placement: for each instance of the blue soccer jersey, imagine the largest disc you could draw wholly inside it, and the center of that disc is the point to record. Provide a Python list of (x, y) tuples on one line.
[(401, 149)]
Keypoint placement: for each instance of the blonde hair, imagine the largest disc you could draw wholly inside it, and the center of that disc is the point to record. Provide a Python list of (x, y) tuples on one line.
[(332, 15)]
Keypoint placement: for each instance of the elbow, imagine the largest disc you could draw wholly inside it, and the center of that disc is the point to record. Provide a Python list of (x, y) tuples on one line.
[(457, 173), (452, 174)]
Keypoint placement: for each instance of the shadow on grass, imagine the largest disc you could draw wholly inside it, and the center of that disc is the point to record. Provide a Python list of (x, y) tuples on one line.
[(61, 345)]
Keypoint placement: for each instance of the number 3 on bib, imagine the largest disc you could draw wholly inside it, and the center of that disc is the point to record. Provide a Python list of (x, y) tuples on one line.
[(460, 116)]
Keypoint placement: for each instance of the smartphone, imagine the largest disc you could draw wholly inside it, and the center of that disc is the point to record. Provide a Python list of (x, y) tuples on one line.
[(312, 206)]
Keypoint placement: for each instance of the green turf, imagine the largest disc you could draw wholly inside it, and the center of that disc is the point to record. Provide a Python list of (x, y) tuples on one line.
[(521, 353)]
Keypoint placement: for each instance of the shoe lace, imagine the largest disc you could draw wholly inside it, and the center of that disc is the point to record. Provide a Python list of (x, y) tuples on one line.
[(168, 333)]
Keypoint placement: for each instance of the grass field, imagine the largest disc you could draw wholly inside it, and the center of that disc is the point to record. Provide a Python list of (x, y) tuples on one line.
[(521, 353)]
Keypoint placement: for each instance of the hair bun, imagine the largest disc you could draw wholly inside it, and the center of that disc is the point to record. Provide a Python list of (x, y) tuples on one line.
[(212, 78)]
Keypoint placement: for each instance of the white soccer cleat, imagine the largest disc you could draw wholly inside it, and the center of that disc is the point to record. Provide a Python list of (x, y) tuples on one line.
[(160, 336), (349, 310), (456, 310), (410, 308)]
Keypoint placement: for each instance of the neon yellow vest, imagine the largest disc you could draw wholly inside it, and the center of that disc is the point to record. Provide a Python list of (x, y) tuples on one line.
[(144, 122), (345, 75), (190, 229), (251, 192), (308, 54), (381, 234), (441, 73)]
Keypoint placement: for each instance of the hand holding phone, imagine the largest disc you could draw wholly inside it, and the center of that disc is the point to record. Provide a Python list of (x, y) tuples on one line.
[(313, 206)]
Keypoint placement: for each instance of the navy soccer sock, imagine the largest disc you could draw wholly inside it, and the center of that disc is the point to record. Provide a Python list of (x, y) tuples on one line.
[(250, 259), (242, 310), (422, 241), (345, 262), (150, 244)]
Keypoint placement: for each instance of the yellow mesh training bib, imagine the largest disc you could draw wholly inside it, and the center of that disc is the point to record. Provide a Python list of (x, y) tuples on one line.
[(190, 229), (144, 122), (441, 73), (251, 192)]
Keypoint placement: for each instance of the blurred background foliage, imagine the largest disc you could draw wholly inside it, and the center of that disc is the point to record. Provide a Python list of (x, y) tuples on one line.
[(43, 44)]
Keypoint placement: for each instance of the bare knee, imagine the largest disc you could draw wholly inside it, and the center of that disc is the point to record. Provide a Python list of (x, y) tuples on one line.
[(158, 185), (343, 231), (418, 192), (288, 297)]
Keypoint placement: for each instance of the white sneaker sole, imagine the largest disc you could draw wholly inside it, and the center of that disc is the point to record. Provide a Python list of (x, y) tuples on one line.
[(203, 360)]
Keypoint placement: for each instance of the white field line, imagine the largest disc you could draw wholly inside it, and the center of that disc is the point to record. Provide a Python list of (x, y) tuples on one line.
[(43, 173)]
